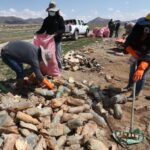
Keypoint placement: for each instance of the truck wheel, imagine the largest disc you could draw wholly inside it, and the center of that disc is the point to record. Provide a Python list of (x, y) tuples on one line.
[(86, 33), (75, 35)]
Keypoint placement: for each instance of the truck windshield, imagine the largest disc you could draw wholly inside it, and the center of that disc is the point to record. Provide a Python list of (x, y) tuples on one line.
[(72, 22)]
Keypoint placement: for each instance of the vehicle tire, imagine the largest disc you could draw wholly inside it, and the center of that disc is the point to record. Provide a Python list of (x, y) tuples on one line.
[(86, 33), (75, 35)]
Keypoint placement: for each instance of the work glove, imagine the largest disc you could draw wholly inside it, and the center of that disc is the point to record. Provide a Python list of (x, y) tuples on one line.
[(48, 83), (140, 71), (132, 52)]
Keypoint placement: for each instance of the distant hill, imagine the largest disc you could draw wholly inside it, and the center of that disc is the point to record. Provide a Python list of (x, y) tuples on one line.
[(103, 22), (99, 21), (16, 20)]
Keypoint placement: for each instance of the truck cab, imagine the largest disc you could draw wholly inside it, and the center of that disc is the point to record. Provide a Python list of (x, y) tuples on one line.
[(74, 28)]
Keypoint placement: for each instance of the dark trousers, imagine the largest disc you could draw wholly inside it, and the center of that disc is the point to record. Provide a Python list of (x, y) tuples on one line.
[(140, 83), (14, 64)]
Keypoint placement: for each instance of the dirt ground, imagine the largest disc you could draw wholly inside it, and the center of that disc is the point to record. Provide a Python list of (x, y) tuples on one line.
[(118, 68)]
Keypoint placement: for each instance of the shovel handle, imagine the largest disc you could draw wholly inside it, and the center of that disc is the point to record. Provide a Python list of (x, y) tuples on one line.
[(133, 103)]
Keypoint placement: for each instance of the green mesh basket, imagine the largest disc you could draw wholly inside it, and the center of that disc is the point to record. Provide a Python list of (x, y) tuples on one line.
[(128, 137)]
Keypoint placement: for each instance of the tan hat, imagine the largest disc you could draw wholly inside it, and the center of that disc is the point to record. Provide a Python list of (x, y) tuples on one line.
[(52, 7), (46, 55)]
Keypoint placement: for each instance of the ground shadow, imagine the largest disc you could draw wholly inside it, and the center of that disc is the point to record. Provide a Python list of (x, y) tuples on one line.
[(8, 86)]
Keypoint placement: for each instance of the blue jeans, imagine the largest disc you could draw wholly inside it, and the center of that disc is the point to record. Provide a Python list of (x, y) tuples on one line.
[(140, 83), (14, 65), (59, 54)]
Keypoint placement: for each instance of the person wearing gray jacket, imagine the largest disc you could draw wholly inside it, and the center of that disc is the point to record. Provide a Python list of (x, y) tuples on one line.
[(15, 53)]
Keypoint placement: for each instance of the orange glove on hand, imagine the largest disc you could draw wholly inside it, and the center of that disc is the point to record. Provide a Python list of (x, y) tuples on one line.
[(48, 83), (140, 71), (132, 52)]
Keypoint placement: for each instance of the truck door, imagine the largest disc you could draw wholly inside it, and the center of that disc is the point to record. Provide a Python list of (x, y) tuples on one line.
[(83, 27)]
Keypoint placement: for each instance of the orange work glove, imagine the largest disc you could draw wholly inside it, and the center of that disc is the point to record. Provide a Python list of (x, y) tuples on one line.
[(140, 71), (132, 52), (48, 83)]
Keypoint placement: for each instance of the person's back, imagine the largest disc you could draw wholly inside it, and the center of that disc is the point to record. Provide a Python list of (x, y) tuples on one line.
[(117, 26), (111, 27), (21, 50)]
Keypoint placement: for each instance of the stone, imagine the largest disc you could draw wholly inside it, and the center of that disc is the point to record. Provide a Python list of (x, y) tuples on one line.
[(24, 132), (32, 140), (118, 113), (46, 111), (75, 101), (57, 117), (28, 126), (9, 142), (94, 144), (45, 121), (9, 130), (118, 99), (98, 119), (45, 92), (75, 123), (21, 144), (74, 139), (71, 80), (26, 118), (85, 116), (60, 142), (57, 102), (79, 109), (89, 129), (5, 119), (68, 116), (57, 129), (108, 78), (41, 145)]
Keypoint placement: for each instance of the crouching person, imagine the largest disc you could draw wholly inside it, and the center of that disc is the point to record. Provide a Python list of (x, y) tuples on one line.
[(15, 53)]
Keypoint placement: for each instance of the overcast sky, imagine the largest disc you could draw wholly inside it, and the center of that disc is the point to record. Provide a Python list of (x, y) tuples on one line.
[(82, 9)]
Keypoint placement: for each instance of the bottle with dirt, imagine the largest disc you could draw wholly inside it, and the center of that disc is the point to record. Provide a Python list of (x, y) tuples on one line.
[(96, 92), (44, 92)]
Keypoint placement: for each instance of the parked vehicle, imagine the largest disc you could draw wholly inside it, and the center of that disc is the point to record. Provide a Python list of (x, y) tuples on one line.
[(74, 28)]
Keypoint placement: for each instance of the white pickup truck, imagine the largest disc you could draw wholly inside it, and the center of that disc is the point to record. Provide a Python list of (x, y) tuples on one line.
[(74, 28)]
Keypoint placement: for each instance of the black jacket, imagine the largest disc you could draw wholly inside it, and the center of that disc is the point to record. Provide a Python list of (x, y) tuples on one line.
[(139, 38), (53, 25)]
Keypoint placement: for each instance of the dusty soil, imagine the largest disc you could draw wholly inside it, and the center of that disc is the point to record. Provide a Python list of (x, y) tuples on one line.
[(118, 68)]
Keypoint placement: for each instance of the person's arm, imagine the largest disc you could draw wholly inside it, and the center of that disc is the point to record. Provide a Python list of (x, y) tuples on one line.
[(39, 76), (43, 27), (61, 29), (130, 50)]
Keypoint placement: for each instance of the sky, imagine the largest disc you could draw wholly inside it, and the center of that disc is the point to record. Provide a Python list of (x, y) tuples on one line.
[(86, 10)]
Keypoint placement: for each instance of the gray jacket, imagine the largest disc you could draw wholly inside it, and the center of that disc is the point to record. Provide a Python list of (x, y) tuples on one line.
[(24, 52)]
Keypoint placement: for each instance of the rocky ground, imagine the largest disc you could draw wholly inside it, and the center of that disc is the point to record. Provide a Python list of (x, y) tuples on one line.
[(118, 68), (44, 122)]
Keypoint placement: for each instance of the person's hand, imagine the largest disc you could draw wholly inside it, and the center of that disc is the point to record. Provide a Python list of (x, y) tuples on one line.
[(140, 71), (48, 83), (138, 75)]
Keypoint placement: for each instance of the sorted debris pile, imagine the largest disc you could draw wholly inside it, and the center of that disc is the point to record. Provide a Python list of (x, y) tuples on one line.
[(69, 117), (75, 60)]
